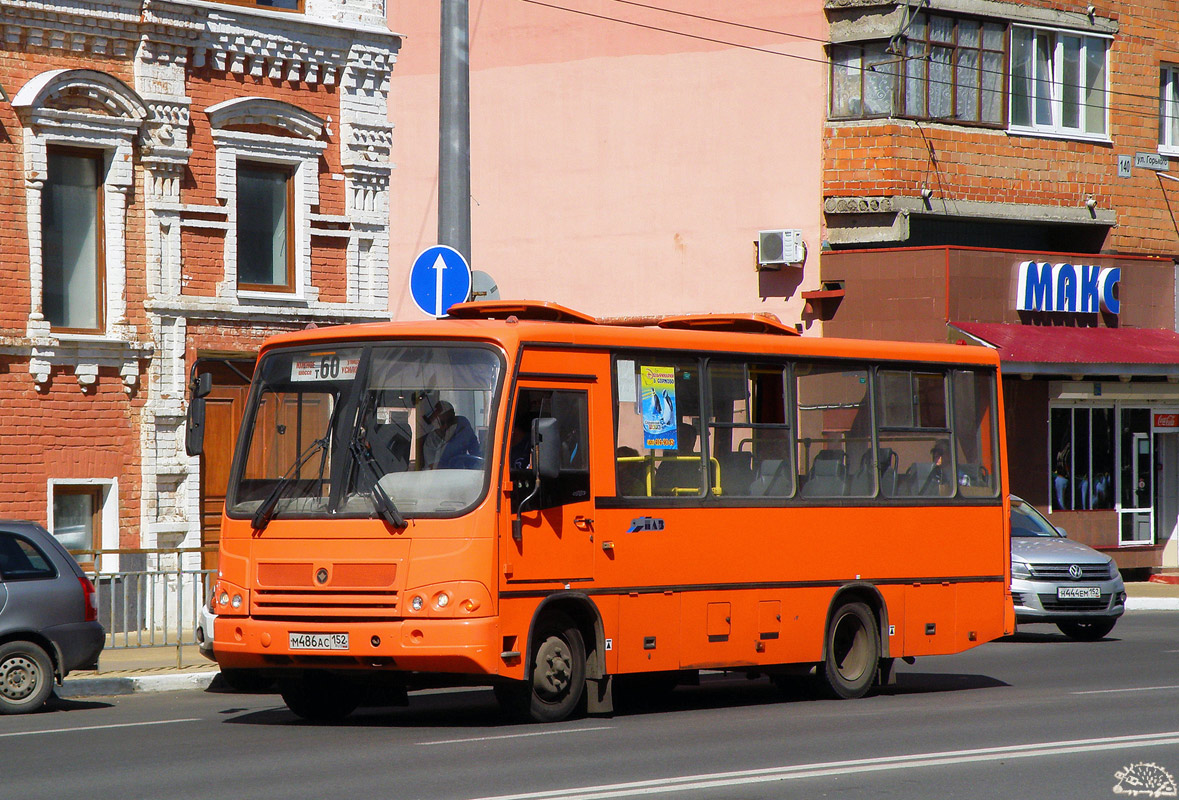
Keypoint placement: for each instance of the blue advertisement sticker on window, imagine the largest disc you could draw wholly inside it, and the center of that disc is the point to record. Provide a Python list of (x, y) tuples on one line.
[(659, 416)]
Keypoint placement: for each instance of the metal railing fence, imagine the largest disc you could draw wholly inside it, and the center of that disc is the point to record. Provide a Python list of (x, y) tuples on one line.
[(152, 598)]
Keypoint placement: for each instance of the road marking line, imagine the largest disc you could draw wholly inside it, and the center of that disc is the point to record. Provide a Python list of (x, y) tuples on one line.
[(914, 761), (101, 727), (1135, 689), (516, 735)]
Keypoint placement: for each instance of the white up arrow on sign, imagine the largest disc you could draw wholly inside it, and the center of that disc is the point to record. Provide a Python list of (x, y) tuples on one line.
[(439, 266)]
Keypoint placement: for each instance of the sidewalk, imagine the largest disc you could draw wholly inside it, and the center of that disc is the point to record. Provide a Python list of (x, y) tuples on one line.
[(157, 669), (144, 669)]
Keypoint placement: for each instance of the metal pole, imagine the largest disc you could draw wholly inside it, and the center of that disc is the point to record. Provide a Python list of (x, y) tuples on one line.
[(454, 129)]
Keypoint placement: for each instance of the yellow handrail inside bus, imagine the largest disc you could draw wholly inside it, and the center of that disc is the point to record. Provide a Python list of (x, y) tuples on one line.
[(649, 462)]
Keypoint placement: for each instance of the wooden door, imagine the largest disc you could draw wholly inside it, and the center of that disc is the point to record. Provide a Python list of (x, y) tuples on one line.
[(223, 419)]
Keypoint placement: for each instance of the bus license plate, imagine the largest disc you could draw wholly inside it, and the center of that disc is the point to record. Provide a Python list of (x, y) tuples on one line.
[(1078, 593), (318, 641)]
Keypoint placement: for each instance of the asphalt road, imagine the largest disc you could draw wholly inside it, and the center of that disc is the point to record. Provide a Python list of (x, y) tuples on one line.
[(1033, 716)]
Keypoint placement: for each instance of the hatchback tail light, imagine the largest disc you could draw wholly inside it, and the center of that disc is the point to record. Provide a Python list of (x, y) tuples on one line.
[(89, 598)]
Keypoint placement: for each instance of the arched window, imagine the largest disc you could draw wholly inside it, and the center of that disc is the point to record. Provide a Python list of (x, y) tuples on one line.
[(83, 125), (267, 174)]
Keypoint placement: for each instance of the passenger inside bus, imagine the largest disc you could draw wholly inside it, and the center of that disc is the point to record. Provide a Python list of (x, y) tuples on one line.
[(452, 444)]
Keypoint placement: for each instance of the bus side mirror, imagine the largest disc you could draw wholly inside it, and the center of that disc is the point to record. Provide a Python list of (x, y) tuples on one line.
[(194, 429), (546, 446)]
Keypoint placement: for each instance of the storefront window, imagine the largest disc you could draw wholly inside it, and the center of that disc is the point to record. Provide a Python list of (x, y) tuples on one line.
[(1082, 458)]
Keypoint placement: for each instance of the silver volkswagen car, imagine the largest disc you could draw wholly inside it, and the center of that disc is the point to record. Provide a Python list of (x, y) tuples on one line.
[(1061, 581)]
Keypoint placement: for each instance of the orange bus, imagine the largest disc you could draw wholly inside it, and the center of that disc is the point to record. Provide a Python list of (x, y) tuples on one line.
[(522, 497)]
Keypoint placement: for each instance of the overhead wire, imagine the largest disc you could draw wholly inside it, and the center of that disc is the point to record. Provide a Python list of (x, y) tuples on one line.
[(1149, 103)]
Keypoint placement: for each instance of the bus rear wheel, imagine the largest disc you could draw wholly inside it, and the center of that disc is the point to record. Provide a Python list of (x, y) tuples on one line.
[(320, 696), (853, 651), (555, 689)]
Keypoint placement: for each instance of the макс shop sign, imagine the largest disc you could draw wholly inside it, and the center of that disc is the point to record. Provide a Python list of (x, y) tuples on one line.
[(1073, 288)]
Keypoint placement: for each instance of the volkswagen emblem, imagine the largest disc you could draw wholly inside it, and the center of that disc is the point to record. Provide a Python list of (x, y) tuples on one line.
[(1074, 572), (321, 575)]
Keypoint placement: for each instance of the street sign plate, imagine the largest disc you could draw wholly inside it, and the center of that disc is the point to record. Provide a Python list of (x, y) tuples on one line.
[(439, 278)]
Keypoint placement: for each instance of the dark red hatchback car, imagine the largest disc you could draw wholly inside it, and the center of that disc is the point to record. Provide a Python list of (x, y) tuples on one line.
[(48, 616)]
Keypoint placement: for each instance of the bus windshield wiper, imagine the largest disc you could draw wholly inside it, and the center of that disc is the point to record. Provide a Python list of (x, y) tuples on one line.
[(363, 454), (265, 512), (381, 499)]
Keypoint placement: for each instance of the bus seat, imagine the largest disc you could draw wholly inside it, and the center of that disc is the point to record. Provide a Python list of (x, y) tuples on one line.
[(772, 478), (922, 479), (672, 475), (736, 473), (860, 484), (827, 475)]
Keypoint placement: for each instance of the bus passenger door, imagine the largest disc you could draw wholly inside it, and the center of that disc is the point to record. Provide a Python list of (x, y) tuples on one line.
[(555, 539)]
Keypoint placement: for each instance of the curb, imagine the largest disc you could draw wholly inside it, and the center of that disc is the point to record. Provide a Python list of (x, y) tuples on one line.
[(1152, 603), (101, 687)]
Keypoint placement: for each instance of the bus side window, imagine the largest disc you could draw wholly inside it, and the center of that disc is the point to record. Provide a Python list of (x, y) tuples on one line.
[(975, 437), (913, 423), (571, 410), (834, 430), (657, 446), (749, 429)]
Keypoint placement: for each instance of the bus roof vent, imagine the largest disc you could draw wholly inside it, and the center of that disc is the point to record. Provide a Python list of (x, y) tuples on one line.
[(733, 323), (520, 309)]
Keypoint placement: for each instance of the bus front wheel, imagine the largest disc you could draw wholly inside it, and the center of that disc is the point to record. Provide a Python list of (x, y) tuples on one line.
[(557, 684), (320, 696), (853, 651)]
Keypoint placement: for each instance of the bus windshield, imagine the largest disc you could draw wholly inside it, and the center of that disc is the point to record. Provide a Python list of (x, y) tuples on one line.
[(324, 425)]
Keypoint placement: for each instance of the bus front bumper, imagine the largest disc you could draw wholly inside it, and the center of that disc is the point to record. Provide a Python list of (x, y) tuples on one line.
[(467, 646)]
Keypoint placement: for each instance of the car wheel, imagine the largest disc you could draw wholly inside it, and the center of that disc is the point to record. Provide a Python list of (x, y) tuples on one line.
[(1088, 631), (320, 696), (26, 677), (853, 651)]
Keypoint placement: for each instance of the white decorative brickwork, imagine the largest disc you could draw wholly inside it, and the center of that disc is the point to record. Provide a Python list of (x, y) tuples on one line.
[(163, 49), (85, 109)]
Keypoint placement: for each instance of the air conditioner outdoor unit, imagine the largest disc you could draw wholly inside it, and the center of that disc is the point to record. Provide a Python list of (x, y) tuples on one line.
[(775, 248)]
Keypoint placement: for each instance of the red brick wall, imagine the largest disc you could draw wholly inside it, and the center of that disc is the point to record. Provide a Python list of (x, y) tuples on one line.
[(64, 434), (207, 87), (202, 256), (329, 263), (966, 163), (17, 66), (203, 248), (910, 293)]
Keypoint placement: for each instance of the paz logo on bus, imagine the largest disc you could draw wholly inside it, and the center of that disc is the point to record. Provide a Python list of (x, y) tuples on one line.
[(645, 524)]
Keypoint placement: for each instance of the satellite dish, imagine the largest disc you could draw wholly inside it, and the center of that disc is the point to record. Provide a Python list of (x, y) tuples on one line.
[(483, 287)]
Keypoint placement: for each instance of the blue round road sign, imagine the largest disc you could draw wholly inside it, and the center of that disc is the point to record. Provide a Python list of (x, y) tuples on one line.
[(439, 278)]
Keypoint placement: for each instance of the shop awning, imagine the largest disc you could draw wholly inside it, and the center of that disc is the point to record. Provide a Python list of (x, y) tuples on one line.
[(1059, 350)]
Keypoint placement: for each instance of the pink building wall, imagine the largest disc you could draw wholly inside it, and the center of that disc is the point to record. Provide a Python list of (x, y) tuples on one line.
[(618, 168)]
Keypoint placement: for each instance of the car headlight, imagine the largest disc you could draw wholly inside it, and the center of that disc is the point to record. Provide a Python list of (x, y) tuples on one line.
[(1020, 569)]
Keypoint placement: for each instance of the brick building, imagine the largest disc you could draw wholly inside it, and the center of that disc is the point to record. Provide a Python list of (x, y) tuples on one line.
[(182, 180), (1020, 197)]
